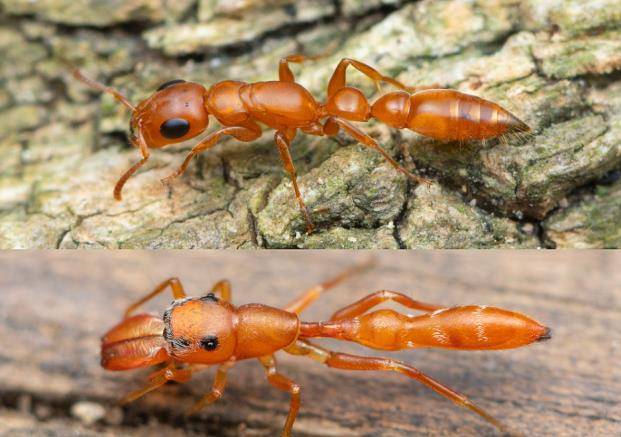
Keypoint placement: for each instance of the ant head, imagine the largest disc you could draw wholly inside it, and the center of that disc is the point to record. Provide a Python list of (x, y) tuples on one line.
[(175, 112), (200, 330)]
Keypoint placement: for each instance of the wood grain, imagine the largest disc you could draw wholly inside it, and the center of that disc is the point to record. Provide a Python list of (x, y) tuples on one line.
[(55, 306)]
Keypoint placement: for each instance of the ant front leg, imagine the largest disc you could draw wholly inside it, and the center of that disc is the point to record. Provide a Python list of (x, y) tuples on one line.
[(283, 383), (378, 297), (175, 286), (158, 379), (144, 150), (284, 144), (217, 388), (247, 133), (334, 124), (314, 293), (343, 361)]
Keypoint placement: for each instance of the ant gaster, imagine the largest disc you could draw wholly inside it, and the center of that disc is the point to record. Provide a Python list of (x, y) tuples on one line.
[(179, 111), (210, 330)]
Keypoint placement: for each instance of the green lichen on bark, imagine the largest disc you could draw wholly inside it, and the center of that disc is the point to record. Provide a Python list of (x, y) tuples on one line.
[(554, 64)]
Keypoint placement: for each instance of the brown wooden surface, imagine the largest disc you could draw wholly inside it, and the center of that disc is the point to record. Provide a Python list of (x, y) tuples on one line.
[(55, 306)]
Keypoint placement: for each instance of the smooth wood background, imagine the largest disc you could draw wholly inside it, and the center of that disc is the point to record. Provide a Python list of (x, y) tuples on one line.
[(54, 306)]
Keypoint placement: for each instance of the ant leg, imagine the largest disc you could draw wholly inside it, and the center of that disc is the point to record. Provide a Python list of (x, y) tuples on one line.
[(158, 379), (217, 388), (283, 383), (378, 297), (223, 288), (312, 294), (284, 71), (332, 126), (175, 286), (315, 129), (343, 361), (339, 77), (144, 150), (242, 133), (283, 147), (102, 88)]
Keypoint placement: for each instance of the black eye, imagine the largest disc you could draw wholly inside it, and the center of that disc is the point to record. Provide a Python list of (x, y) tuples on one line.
[(169, 83), (209, 343), (174, 128)]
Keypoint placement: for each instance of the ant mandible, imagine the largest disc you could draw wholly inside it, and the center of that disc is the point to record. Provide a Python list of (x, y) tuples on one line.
[(210, 330), (180, 110)]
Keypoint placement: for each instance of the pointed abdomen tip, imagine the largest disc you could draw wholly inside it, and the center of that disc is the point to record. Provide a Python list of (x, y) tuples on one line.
[(547, 334), (517, 125)]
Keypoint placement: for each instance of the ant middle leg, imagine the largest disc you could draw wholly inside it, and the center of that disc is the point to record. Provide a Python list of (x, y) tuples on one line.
[(378, 297), (283, 143), (175, 286), (344, 361), (247, 133), (334, 124), (283, 383), (312, 294)]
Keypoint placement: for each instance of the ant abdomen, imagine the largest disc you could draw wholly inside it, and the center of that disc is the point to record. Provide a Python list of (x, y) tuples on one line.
[(446, 115), (464, 328), (449, 115)]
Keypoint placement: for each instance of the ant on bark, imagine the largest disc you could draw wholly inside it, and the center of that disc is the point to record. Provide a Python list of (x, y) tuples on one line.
[(180, 110), (210, 330)]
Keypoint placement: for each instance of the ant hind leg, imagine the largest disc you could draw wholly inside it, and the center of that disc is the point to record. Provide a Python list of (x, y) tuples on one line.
[(344, 361), (339, 77), (334, 124), (312, 294), (378, 297)]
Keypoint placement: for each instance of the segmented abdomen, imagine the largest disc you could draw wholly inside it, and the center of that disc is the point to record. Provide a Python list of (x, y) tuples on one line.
[(465, 328), (449, 115)]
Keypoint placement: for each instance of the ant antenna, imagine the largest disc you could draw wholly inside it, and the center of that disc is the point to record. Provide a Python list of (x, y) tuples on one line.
[(104, 89)]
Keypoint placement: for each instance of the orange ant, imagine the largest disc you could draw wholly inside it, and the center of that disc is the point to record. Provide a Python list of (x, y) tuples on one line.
[(210, 330), (180, 110)]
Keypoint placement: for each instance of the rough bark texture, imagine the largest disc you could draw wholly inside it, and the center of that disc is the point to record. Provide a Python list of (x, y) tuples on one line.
[(555, 64), (53, 314)]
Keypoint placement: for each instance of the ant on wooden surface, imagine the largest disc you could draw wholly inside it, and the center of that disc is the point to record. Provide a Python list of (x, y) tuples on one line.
[(210, 330), (180, 110)]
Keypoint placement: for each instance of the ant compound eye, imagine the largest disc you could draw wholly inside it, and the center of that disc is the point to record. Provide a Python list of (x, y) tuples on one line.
[(170, 83), (209, 343), (174, 128)]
